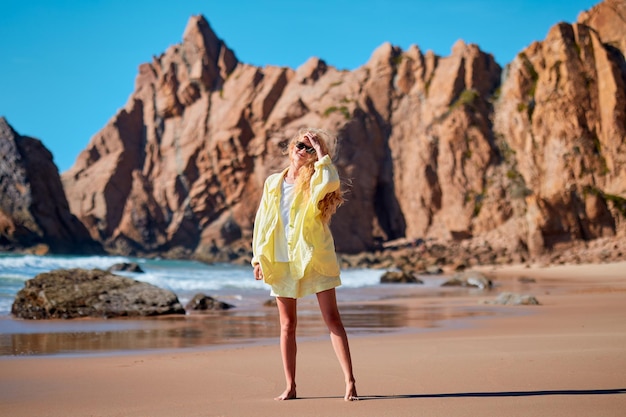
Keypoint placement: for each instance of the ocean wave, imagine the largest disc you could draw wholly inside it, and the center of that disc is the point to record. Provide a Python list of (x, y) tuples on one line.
[(184, 278), (194, 281), (357, 278), (31, 265), (5, 305)]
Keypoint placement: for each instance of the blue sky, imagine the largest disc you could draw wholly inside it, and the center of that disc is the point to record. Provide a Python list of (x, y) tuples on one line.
[(69, 65)]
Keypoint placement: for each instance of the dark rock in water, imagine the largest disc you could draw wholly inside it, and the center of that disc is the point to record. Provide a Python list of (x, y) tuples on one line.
[(399, 277), (126, 267), (201, 302), (73, 293)]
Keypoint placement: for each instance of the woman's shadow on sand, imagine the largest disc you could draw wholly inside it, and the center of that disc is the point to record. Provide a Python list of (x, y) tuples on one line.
[(487, 394)]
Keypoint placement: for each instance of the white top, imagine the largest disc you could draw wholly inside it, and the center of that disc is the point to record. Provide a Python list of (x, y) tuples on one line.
[(281, 250)]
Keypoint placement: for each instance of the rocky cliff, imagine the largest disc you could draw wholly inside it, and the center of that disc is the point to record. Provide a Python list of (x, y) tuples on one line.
[(34, 212), (527, 157), (560, 122)]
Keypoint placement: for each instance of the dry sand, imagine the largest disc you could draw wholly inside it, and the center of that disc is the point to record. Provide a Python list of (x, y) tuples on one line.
[(566, 357)]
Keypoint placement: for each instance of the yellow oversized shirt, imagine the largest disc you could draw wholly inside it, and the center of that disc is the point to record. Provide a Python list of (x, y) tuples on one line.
[(309, 240)]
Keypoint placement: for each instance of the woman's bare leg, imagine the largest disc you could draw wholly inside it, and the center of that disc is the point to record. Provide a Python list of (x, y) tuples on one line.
[(288, 320), (328, 306)]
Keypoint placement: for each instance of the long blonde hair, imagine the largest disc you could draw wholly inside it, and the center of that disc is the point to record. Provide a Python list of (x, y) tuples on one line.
[(331, 201)]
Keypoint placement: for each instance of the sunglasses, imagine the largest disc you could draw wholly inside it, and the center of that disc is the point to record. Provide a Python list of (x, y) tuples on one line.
[(310, 150)]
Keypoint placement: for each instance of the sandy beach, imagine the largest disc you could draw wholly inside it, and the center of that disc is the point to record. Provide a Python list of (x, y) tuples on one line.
[(565, 357)]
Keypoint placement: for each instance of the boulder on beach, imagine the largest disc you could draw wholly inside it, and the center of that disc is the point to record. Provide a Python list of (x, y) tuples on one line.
[(270, 303), (469, 279), (399, 277), (74, 293), (201, 302), (507, 298)]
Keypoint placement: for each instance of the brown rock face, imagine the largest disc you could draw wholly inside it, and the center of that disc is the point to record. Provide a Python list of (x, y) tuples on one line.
[(182, 165), (34, 212), (561, 123), (607, 19), (430, 146)]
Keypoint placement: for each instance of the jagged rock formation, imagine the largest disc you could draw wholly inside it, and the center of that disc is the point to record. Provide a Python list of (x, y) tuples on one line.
[(607, 19), (34, 212), (560, 122), (440, 147), (183, 164)]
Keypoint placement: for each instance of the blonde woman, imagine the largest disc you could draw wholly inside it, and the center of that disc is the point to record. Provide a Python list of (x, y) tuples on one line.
[(294, 251)]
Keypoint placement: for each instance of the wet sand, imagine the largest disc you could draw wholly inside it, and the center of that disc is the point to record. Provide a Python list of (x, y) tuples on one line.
[(566, 357), (365, 311)]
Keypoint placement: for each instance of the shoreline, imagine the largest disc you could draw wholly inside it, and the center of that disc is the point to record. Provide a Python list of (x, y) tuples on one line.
[(565, 357), (384, 310)]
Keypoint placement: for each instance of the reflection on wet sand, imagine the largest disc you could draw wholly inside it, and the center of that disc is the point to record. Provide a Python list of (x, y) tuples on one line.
[(213, 329), (392, 317)]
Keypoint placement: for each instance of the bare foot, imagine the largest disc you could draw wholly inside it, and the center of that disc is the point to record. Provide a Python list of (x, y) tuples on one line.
[(351, 394), (289, 394)]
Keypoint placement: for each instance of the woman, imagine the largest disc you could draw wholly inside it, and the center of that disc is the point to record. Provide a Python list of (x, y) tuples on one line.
[(293, 247)]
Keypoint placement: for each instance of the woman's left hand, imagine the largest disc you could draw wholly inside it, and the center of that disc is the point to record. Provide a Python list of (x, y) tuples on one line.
[(316, 145)]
